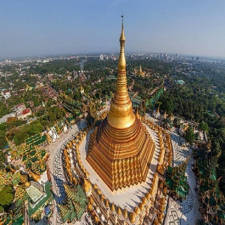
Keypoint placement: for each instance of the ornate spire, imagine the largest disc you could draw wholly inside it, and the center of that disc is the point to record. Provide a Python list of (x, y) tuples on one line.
[(121, 113), (140, 69), (122, 36), (121, 149)]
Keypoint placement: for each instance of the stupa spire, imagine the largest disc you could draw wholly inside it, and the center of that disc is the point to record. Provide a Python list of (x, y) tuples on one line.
[(121, 113), (122, 36)]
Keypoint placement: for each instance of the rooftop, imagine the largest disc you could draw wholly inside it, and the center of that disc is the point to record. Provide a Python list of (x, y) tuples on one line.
[(34, 193)]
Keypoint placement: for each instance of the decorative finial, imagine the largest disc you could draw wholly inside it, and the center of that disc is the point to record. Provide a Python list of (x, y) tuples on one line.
[(122, 36), (122, 18)]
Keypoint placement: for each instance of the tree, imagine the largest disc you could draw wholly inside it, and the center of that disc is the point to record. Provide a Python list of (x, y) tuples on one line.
[(176, 122), (7, 196), (190, 136), (167, 104), (2, 159), (176, 181), (3, 109), (3, 141), (203, 126), (216, 149)]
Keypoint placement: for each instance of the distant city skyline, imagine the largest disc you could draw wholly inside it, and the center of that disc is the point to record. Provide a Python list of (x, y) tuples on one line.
[(34, 28)]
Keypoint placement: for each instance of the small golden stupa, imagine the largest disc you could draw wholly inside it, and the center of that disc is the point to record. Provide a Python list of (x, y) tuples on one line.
[(121, 149), (141, 73)]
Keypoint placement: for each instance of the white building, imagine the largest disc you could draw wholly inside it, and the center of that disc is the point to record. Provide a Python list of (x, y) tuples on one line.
[(24, 114), (6, 94), (101, 57), (19, 108)]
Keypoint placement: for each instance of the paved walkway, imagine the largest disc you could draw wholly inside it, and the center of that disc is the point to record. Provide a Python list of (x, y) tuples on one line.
[(185, 213), (57, 174), (56, 170)]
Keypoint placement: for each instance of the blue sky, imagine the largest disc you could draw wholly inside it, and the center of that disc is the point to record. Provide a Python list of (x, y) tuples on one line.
[(44, 27)]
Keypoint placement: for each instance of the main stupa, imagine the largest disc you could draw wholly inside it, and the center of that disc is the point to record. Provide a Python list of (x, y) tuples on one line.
[(120, 148), (121, 163)]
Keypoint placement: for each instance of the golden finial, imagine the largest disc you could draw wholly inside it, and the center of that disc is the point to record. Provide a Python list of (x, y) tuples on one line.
[(122, 59), (121, 113), (122, 36)]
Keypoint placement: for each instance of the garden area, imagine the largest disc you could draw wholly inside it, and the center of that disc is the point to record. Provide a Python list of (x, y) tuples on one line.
[(75, 204), (176, 182)]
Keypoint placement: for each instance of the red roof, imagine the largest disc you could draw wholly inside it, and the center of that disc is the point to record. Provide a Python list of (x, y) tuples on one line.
[(25, 111)]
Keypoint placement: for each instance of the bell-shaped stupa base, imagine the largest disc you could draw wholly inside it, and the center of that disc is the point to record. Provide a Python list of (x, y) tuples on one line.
[(121, 157)]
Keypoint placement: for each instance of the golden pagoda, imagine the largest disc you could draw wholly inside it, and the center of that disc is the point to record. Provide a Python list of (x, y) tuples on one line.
[(120, 148), (141, 73)]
